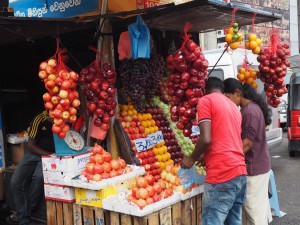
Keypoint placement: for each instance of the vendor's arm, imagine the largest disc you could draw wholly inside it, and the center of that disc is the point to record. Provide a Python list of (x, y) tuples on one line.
[(247, 145), (202, 145), (35, 148), (34, 134), (250, 125), (204, 141)]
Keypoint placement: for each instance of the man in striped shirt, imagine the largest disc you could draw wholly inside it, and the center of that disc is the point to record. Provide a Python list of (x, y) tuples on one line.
[(27, 181)]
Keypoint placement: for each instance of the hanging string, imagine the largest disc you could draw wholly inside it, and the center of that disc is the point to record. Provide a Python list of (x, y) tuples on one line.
[(186, 36), (233, 16), (253, 20), (274, 40)]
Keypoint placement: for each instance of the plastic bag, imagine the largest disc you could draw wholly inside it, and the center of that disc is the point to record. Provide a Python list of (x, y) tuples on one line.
[(189, 176), (139, 39), (124, 46)]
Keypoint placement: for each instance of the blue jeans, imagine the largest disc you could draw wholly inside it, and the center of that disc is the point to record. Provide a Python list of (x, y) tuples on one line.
[(222, 203), (27, 185)]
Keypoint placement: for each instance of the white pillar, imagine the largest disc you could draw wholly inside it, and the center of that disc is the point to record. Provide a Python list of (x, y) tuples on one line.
[(294, 31)]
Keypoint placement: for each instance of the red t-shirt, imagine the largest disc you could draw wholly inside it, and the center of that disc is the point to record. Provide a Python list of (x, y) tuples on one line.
[(225, 158)]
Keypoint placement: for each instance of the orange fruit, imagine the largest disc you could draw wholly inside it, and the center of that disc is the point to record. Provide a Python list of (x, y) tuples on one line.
[(147, 130), (159, 158), (252, 37), (258, 42), (144, 124), (234, 45), (156, 151), (140, 117), (250, 80), (240, 36), (230, 30), (134, 112), (252, 44), (149, 116), (253, 75), (148, 123), (241, 77), (145, 117), (152, 122), (155, 128), (247, 75), (162, 165), (247, 45), (151, 130), (228, 38), (242, 70), (130, 113), (256, 50), (124, 107), (254, 84)]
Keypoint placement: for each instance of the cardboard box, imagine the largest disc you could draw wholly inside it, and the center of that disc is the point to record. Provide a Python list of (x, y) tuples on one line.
[(91, 197), (65, 163), (59, 178), (59, 193)]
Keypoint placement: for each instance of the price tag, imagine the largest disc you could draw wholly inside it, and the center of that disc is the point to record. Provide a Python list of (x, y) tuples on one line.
[(195, 131), (143, 144)]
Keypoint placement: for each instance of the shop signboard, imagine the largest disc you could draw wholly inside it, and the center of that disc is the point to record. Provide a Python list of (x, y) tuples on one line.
[(144, 4), (52, 8)]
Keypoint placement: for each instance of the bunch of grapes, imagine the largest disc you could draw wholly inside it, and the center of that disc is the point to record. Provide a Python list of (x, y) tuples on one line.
[(140, 79)]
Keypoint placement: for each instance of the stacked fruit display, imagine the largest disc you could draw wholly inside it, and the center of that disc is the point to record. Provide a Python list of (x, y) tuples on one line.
[(163, 91), (62, 97), (140, 79), (173, 147), (149, 161), (146, 191), (99, 92), (102, 166), (272, 70), (233, 36), (248, 75), (184, 142), (253, 43), (188, 68)]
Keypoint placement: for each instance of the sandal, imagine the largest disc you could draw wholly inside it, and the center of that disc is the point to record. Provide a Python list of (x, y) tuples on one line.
[(12, 219)]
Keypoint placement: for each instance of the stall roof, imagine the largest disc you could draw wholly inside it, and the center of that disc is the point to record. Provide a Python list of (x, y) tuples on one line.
[(204, 15), (22, 29)]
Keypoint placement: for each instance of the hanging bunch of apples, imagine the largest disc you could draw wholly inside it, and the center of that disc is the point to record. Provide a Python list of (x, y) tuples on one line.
[(99, 92), (146, 191), (233, 36), (272, 70), (188, 68), (248, 75), (253, 43), (62, 97), (102, 166)]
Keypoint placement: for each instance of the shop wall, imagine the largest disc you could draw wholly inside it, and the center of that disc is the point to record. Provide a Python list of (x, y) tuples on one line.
[(21, 88)]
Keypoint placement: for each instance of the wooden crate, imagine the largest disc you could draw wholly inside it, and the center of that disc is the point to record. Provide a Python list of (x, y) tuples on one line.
[(188, 212)]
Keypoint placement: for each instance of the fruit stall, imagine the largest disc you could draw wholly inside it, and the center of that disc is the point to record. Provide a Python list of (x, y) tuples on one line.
[(123, 123)]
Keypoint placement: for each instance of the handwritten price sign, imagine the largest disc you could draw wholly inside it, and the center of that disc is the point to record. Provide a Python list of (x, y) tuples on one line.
[(143, 144)]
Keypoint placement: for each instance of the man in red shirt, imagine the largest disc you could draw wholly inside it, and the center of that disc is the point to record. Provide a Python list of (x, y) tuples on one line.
[(221, 146)]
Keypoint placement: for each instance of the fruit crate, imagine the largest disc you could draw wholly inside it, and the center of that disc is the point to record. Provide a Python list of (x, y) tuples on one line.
[(188, 212)]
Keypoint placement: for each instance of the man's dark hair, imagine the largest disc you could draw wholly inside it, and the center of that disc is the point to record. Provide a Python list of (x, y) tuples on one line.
[(214, 83)]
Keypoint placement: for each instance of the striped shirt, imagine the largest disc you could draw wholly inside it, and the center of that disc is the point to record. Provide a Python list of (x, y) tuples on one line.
[(41, 131)]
